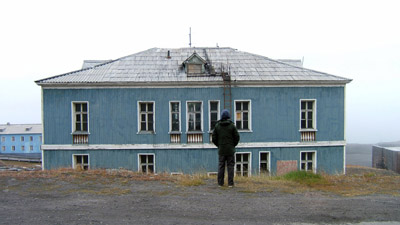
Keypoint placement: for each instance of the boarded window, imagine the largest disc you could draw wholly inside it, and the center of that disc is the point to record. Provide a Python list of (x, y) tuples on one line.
[(194, 68)]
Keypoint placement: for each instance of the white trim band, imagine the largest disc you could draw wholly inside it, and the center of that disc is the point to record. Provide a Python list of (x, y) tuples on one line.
[(193, 146)]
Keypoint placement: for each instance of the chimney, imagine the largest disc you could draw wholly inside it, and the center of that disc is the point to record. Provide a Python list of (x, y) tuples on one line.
[(168, 54)]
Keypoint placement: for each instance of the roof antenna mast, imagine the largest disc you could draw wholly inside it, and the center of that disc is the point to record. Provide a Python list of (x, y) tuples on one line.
[(190, 37)]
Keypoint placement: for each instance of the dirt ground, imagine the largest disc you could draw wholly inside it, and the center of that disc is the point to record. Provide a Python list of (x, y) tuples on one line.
[(44, 200)]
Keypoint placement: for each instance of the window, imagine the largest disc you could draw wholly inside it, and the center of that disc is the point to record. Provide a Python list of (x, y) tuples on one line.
[(13, 148), (175, 117), (307, 117), (146, 163), (31, 138), (3, 148), (22, 148), (22, 138), (264, 163), (146, 117), (3, 139), (194, 68), (214, 114), (194, 111), (80, 162), (12, 138), (80, 117), (31, 148), (175, 122), (242, 115), (308, 161), (242, 164)]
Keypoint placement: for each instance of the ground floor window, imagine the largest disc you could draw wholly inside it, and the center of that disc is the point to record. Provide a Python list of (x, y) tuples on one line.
[(264, 163), (146, 163), (80, 162), (242, 164), (308, 161)]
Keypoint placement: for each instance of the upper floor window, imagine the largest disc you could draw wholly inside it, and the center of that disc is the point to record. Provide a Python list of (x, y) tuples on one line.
[(146, 117), (307, 114), (214, 114), (242, 115), (30, 138), (80, 117), (175, 117), (12, 138), (22, 138), (194, 116), (3, 139)]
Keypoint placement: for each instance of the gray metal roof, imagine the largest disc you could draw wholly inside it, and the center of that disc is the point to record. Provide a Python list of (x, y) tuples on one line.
[(20, 129), (153, 66)]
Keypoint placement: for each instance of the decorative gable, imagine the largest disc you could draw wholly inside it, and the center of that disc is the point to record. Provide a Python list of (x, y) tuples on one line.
[(194, 65)]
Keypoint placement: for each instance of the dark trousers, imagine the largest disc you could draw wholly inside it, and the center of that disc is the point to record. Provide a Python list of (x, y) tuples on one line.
[(230, 161)]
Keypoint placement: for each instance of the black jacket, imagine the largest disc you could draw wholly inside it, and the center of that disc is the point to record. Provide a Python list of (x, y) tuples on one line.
[(225, 136)]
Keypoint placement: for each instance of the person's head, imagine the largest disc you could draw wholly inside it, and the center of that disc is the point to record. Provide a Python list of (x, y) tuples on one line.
[(225, 114)]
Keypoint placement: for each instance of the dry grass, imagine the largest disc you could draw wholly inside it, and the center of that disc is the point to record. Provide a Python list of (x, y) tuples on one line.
[(365, 181)]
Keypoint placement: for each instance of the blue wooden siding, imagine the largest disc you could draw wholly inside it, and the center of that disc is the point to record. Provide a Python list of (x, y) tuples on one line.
[(329, 159), (17, 143), (113, 116)]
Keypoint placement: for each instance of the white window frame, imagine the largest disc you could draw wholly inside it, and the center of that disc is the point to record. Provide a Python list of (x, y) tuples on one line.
[(250, 112), (13, 148), (209, 113), (30, 138), (268, 161), (314, 160), (314, 115), (170, 117), (74, 164), (140, 165), (139, 118), (31, 148), (22, 138), (3, 148), (22, 147), (73, 127), (187, 116), (3, 139), (12, 138), (249, 166)]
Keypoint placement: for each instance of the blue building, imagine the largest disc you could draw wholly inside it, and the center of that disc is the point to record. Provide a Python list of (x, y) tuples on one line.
[(154, 111), (20, 138)]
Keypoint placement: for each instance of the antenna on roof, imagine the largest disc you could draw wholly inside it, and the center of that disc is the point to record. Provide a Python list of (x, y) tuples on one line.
[(190, 37)]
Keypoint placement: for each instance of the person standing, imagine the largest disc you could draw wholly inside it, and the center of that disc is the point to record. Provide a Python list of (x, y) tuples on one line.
[(225, 136)]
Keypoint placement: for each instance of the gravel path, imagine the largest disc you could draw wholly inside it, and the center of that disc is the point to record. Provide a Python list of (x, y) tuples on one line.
[(50, 201)]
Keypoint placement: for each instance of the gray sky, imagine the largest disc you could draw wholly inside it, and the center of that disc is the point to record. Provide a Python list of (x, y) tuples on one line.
[(354, 39)]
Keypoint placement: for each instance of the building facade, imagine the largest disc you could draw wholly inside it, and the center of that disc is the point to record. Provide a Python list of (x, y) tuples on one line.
[(154, 111), (20, 138)]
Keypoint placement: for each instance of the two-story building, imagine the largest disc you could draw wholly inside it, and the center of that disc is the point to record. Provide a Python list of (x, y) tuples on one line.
[(154, 111), (20, 138)]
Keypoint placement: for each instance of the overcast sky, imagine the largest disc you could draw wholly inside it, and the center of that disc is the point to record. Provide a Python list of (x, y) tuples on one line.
[(354, 39)]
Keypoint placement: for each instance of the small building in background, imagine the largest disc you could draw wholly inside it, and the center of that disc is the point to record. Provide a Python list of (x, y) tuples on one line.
[(20, 138), (386, 158)]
